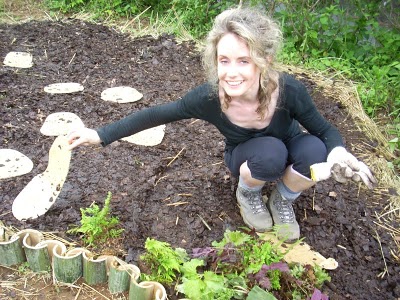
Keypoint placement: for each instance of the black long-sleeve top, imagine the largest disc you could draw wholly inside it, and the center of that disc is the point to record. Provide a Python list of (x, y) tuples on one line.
[(294, 107)]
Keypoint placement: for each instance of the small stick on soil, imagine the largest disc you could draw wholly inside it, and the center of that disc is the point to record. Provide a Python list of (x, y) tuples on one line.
[(22, 291), (177, 220), (186, 195), (388, 228), (387, 213), (70, 285), (160, 179), (313, 201), (176, 156), (96, 291), (166, 199), (6, 213), (382, 274), (176, 203), (77, 294), (194, 121), (204, 222), (15, 270), (73, 56), (394, 255)]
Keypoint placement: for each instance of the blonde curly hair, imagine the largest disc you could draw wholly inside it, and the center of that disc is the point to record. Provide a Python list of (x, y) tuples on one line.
[(263, 37)]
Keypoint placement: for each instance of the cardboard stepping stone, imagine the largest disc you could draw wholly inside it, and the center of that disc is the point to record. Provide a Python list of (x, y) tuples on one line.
[(301, 253), (149, 137), (60, 123), (121, 94), (13, 163), (63, 88), (18, 60), (42, 191)]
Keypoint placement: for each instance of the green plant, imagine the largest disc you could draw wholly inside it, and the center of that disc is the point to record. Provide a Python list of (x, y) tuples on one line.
[(163, 261), (347, 39), (228, 270), (100, 8), (97, 226), (24, 268), (320, 276), (203, 286), (198, 15)]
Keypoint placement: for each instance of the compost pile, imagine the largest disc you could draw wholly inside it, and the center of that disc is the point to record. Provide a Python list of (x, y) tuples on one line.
[(171, 191)]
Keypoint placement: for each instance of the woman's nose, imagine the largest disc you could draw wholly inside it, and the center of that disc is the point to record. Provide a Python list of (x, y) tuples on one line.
[(232, 70)]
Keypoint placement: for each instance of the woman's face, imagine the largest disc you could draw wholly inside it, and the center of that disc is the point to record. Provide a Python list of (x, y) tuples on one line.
[(237, 73)]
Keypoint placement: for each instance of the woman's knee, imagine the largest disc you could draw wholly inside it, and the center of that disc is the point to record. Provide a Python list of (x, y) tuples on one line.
[(268, 160), (304, 151)]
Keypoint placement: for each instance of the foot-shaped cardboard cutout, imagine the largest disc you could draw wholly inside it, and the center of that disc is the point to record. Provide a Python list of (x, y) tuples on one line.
[(42, 191)]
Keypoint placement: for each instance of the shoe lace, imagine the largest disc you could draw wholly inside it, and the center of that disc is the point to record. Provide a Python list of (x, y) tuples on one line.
[(285, 210), (254, 198)]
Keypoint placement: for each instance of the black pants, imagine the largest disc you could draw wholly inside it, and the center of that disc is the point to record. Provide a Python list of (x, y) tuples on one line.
[(267, 157)]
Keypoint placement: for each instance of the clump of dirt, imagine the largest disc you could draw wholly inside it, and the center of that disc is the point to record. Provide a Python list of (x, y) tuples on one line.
[(153, 196)]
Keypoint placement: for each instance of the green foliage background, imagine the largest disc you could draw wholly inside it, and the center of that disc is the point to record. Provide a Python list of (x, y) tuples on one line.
[(358, 39)]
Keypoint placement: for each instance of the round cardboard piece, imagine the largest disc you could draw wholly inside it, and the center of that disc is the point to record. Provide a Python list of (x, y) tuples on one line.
[(13, 163), (63, 88), (121, 94), (60, 123), (18, 60), (42, 191), (149, 137)]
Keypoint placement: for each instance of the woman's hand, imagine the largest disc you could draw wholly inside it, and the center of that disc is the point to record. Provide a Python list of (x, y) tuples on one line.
[(83, 136), (345, 166)]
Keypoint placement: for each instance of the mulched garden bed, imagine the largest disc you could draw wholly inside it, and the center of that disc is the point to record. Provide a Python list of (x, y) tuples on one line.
[(337, 220)]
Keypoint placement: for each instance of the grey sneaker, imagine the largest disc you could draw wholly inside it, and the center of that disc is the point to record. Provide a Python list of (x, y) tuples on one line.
[(253, 210), (283, 215)]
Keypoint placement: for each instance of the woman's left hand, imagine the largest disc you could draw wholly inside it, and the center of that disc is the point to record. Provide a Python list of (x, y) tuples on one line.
[(345, 165), (83, 136)]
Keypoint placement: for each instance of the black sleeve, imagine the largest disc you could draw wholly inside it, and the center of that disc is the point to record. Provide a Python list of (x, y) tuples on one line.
[(309, 117), (190, 106)]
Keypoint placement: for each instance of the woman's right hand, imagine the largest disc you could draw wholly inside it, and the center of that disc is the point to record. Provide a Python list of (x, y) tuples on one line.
[(83, 136)]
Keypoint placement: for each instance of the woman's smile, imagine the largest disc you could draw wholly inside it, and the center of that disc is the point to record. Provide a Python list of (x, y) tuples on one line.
[(238, 75)]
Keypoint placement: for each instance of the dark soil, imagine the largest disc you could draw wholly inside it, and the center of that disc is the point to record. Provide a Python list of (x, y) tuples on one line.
[(142, 184)]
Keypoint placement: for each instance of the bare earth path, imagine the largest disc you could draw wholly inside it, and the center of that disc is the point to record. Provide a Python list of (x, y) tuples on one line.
[(142, 184)]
